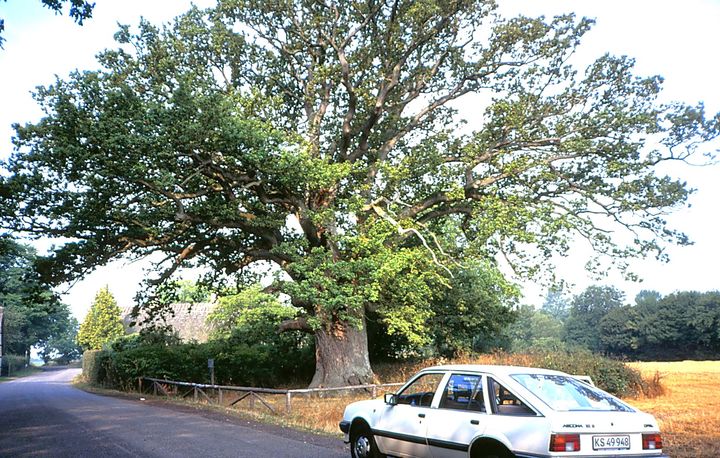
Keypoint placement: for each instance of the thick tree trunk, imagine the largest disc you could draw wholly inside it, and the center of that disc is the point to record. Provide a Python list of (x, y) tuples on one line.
[(341, 355)]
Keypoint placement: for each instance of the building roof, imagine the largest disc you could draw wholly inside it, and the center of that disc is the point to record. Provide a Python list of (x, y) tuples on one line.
[(188, 320)]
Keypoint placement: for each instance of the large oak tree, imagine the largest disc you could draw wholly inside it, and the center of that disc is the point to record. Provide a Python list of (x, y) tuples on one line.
[(359, 148)]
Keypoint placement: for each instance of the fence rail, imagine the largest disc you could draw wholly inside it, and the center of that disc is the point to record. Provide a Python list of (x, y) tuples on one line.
[(173, 387)]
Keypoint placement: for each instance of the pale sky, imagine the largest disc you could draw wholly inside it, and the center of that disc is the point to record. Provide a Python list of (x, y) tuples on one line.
[(677, 40)]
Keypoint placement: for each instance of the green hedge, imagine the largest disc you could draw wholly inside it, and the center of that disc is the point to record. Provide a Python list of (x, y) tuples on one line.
[(241, 364), (93, 367)]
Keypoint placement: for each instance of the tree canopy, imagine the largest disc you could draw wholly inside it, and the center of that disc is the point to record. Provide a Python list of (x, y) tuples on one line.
[(33, 312), (62, 345), (682, 325), (588, 309), (326, 141), (535, 330), (248, 309)]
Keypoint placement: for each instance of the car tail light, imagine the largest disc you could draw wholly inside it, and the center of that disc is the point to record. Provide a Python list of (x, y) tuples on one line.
[(565, 443), (652, 441)]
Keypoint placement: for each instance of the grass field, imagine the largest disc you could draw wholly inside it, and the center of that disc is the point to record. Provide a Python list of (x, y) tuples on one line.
[(689, 410)]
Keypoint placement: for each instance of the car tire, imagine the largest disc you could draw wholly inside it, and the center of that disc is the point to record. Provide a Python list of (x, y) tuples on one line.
[(494, 451), (362, 443), (497, 454)]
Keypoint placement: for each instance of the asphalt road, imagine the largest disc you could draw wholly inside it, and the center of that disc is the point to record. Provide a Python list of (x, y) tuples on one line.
[(43, 415)]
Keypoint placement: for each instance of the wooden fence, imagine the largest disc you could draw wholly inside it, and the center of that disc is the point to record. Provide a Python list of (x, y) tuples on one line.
[(217, 393)]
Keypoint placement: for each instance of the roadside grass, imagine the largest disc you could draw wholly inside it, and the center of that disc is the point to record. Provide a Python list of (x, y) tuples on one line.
[(21, 373), (689, 409)]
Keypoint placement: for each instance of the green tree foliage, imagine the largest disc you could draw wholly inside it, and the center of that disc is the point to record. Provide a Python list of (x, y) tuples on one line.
[(620, 331), (681, 325), (183, 292), (62, 346), (556, 303), (583, 325), (324, 139), (468, 314), (535, 330), (33, 313), (250, 312), (250, 320), (79, 11), (190, 292), (473, 312), (102, 324), (699, 322)]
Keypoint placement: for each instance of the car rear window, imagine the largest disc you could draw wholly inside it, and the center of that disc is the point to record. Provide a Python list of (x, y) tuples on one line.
[(565, 393)]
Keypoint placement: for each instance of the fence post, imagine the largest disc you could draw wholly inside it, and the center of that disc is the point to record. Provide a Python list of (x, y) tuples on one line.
[(140, 385), (195, 393), (220, 396), (374, 391), (288, 402), (155, 384)]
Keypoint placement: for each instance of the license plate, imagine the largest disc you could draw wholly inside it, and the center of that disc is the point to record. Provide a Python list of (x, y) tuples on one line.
[(611, 442)]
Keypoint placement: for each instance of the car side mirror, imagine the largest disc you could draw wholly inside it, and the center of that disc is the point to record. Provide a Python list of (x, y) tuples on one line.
[(391, 399)]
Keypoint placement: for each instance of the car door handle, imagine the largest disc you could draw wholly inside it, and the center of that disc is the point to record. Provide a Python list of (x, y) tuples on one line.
[(421, 415), (474, 422)]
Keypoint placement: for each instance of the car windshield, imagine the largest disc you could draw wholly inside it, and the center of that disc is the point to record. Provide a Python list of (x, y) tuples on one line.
[(565, 393)]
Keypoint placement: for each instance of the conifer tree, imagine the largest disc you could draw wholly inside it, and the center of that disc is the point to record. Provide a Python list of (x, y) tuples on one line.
[(103, 323)]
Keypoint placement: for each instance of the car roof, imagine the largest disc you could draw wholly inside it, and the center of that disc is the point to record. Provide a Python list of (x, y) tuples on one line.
[(494, 369)]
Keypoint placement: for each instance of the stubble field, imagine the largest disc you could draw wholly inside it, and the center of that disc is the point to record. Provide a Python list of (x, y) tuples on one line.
[(689, 410)]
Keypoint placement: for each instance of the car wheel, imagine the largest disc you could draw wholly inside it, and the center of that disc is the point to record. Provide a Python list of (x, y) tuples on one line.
[(492, 451), (362, 443), (498, 454)]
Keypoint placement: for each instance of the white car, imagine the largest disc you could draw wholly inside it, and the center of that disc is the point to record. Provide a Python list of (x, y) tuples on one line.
[(499, 411)]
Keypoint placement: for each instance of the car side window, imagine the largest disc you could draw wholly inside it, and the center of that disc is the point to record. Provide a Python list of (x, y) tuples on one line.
[(505, 402), (421, 391), (463, 392)]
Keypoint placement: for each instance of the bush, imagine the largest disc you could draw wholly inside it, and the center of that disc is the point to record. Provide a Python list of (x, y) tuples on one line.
[(608, 374), (611, 375), (93, 366)]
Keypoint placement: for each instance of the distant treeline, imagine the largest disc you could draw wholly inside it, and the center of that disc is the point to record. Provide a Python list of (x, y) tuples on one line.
[(682, 325)]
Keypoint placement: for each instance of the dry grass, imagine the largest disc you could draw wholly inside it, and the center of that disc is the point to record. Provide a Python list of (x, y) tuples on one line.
[(689, 409)]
